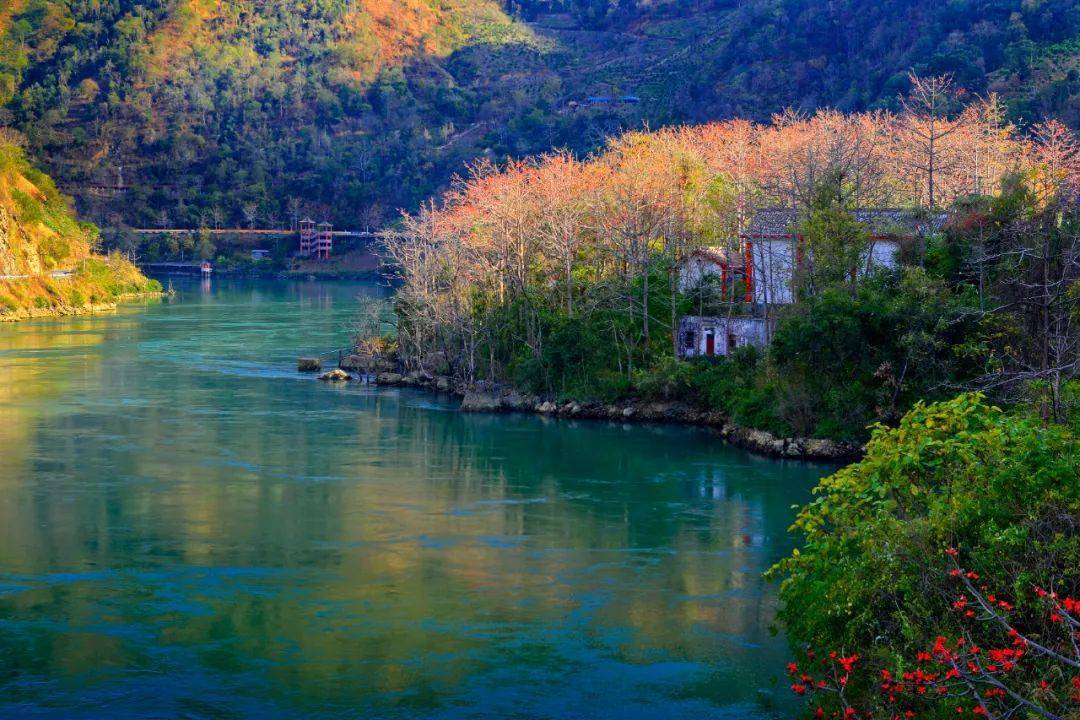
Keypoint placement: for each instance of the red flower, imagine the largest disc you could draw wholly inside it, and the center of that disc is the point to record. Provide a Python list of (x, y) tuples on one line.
[(798, 689), (792, 668), (848, 662), (952, 552)]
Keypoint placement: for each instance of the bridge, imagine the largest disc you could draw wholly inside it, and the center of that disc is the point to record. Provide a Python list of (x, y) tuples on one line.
[(249, 232), (173, 268)]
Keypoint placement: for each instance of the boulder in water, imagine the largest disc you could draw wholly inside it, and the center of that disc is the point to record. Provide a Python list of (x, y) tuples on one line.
[(308, 364), (476, 401), (336, 375)]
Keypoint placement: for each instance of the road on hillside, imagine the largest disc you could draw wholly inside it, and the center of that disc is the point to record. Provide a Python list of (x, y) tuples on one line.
[(53, 274)]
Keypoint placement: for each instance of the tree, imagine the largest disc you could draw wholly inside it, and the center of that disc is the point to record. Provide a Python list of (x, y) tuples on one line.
[(835, 246), (1028, 257), (204, 247), (928, 128)]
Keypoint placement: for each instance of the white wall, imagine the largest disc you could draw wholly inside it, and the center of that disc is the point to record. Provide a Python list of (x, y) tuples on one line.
[(774, 270), (694, 269), (883, 254)]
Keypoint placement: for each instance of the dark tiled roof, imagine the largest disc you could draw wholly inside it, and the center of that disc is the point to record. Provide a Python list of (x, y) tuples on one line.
[(882, 221), (717, 255)]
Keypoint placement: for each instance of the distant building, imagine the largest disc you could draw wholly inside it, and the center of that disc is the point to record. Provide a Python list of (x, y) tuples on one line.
[(765, 260), (701, 336), (771, 252)]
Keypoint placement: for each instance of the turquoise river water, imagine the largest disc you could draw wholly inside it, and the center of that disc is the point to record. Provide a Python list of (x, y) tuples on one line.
[(191, 529)]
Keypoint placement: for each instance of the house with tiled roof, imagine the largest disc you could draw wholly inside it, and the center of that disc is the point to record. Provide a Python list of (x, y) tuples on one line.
[(768, 256)]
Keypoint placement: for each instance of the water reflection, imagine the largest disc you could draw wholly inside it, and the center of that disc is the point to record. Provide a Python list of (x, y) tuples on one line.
[(188, 528)]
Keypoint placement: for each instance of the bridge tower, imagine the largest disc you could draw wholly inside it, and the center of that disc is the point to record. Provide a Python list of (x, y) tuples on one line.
[(324, 240), (307, 236)]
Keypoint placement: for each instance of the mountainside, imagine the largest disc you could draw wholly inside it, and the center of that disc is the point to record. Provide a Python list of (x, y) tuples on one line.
[(47, 263), (38, 233), (188, 112)]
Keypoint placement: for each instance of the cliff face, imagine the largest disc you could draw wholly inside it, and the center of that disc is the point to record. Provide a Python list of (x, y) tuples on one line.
[(8, 262), (38, 230)]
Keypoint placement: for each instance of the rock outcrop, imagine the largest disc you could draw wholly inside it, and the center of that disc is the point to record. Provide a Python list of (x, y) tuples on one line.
[(490, 397), (306, 364)]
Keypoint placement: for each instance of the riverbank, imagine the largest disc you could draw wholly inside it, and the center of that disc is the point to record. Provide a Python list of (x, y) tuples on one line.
[(65, 310), (494, 398), (98, 285)]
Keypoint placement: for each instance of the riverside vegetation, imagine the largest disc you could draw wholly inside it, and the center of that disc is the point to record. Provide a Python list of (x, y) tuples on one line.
[(48, 263), (940, 576), (560, 276)]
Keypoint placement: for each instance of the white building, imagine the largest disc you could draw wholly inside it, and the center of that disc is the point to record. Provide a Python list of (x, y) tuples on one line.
[(705, 263), (775, 253), (701, 336)]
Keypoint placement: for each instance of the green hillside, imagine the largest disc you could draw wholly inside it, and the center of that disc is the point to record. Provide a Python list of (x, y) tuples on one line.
[(47, 259), (237, 112)]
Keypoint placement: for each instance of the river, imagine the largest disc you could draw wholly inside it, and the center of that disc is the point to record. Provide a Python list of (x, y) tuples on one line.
[(191, 529)]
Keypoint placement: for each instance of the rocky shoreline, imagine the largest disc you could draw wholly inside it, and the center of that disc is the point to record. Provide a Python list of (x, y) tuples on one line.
[(490, 398), (66, 310)]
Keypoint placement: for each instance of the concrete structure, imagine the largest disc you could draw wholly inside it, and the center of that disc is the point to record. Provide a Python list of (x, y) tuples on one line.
[(701, 336)]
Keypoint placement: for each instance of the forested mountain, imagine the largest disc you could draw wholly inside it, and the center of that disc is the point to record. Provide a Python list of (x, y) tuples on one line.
[(188, 112)]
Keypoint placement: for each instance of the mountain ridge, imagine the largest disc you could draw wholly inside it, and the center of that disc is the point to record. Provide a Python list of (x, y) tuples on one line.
[(241, 112)]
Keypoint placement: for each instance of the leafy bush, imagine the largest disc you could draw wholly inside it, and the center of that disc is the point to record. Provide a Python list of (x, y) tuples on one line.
[(1002, 488), (846, 357)]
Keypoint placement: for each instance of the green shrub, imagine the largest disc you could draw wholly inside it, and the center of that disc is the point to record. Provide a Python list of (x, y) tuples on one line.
[(1002, 488)]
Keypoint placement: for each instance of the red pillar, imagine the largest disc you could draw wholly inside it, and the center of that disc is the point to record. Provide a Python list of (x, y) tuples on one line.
[(748, 260)]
